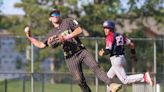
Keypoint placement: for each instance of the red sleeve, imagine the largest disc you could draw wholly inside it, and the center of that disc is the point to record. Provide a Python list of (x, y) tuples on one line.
[(109, 42)]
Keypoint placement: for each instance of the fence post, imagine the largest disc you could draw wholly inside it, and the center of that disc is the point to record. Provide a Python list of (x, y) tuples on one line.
[(23, 85), (32, 68), (5, 85), (96, 57), (42, 82), (71, 90), (155, 62)]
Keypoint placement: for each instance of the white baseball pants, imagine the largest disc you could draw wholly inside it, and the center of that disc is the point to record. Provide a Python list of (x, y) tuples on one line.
[(118, 63)]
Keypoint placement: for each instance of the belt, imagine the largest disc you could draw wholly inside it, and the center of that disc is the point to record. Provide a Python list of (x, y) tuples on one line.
[(68, 55), (117, 55)]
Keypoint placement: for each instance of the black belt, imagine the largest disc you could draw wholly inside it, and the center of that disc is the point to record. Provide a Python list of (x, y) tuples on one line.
[(68, 55), (116, 54)]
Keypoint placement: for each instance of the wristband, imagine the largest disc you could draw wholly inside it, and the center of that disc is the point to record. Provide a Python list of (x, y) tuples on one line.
[(68, 36)]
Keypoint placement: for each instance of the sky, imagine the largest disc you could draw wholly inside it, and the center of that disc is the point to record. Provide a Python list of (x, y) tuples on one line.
[(8, 6)]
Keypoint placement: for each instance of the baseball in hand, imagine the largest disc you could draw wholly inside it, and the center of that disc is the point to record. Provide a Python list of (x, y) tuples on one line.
[(27, 29)]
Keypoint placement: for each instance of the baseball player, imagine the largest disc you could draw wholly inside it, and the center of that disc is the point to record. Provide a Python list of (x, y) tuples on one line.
[(115, 49), (65, 34)]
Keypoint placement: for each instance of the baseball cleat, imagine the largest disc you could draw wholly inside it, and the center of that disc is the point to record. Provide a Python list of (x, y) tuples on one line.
[(114, 87), (147, 78)]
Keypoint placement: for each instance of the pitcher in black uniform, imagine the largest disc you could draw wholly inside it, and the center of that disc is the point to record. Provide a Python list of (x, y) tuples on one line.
[(65, 34)]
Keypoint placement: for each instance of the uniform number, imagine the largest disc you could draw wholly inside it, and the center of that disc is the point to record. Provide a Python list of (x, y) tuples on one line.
[(119, 40)]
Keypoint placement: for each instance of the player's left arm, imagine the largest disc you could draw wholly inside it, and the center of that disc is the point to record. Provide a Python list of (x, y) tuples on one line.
[(76, 30), (75, 27), (131, 45), (75, 33)]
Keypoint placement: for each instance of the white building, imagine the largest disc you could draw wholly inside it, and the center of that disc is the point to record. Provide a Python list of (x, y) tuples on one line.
[(11, 61), (46, 65)]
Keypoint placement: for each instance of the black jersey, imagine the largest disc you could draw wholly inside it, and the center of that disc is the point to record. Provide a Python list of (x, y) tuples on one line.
[(115, 42), (67, 26)]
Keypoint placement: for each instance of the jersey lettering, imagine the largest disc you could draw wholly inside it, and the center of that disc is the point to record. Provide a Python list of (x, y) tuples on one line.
[(75, 22)]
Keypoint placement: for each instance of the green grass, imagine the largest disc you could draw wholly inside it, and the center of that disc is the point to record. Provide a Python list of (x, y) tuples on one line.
[(16, 86)]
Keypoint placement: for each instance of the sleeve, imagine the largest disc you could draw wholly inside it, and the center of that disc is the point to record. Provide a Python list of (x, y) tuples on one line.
[(45, 41), (109, 42), (108, 45), (107, 51), (73, 24)]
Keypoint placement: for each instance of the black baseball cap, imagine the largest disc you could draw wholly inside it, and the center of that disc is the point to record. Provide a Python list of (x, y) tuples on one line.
[(54, 11)]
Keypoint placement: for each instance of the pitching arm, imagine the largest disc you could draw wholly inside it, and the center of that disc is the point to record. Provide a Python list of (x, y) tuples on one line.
[(34, 41)]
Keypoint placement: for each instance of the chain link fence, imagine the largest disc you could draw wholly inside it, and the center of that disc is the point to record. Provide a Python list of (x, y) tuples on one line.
[(25, 68)]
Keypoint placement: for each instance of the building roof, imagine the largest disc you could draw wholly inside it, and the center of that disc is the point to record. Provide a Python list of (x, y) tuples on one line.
[(149, 23), (4, 33)]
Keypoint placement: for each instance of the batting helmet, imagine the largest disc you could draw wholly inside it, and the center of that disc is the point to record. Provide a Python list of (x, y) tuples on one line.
[(109, 24)]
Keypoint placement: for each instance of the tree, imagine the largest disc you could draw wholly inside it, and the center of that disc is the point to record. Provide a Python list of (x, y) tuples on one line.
[(96, 14), (91, 17), (1, 3), (101, 10)]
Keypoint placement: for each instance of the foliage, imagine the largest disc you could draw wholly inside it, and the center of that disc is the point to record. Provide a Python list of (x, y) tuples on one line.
[(1, 3), (36, 15)]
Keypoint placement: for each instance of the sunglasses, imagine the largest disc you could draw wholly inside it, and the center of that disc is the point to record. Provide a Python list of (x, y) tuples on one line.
[(55, 15)]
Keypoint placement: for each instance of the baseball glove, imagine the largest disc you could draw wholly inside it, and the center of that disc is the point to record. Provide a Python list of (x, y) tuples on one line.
[(55, 42)]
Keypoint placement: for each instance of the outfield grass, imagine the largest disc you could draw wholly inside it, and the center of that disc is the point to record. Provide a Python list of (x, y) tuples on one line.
[(17, 86)]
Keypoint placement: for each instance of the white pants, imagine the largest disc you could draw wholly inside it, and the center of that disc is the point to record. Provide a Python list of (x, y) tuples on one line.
[(117, 69)]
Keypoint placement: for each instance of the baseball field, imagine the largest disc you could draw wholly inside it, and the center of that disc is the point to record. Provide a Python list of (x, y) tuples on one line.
[(16, 86)]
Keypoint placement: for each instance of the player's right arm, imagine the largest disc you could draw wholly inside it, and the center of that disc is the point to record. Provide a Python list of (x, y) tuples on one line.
[(108, 47), (36, 42)]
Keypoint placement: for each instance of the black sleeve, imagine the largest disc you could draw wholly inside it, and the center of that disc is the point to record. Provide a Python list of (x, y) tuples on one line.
[(45, 42), (73, 24)]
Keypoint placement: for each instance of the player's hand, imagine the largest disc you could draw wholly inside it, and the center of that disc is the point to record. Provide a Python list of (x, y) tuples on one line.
[(27, 30), (101, 52), (61, 38), (51, 39)]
